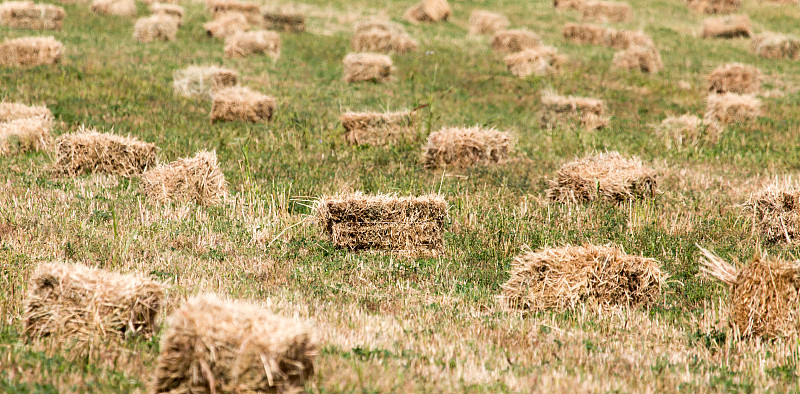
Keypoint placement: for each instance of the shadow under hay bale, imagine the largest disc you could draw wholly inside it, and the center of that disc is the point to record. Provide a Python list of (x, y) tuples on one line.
[(775, 212), (155, 27), (541, 60), (382, 37), (466, 147), (486, 22), (776, 46), (30, 52), (730, 26), (172, 10), (27, 15), (735, 78), (642, 58), (378, 129), (558, 110), (515, 40), (14, 111), (409, 226), (259, 42), (605, 11), (241, 104), (227, 25), (729, 108), (604, 176), (89, 151), (366, 66), (428, 11), (198, 180), (563, 278), (285, 19), (74, 301), (114, 7), (686, 130), (23, 135), (211, 345), (203, 81), (764, 295), (714, 6)]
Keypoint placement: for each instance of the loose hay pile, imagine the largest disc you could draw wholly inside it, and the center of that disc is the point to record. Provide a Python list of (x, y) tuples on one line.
[(765, 295), (171, 10), (598, 35), (366, 66), (715, 6), (75, 301), (382, 37), (563, 278), (775, 212), (605, 11), (30, 52), (253, 42), (541, 60), (515, 40), (198, 180), (155, 27), (27, 15), (374, 128), (605, 176), (23, 135), (241, 104), (114, 7), (466, 147), (642, 58), (428, 11), (89, 151), (411, 226), (227, 25), (730, 26), (485, 22), (776, 46), (731, 107), (688, 129), (285, 19), (735, 78), (13, 111), (203, 81), (588, 112), (216, 346)]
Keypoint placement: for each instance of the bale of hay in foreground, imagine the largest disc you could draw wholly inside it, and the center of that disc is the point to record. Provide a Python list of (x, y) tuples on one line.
[(74, 301), (735, 78), (428, 11), (541, 60), (227, 24), (486, 22), (203, 81), (198, 180), (598, 35), (23, 135), (216, 346), (588, 112), (559, 279), (375, 128), (285, 19), (764, 295), (367, 66), (30, 52), (715, 6), (688, 129), (409, 226), (605, 11), (27, 15), (775, 212), (776, 46), (643, 58), (13, 111), (730, 26), (604, 176), (729, 108), (515, 40), (253, 43), (466, 147), (241, 104), (155, 27), (382, 37), (89, 151), (114, 7), (172, 10)]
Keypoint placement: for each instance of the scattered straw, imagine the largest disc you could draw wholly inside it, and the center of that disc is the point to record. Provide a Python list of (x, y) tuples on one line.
[(28, 15), (605, 11), (598, 35), (735, 78), (775, 212), (604, 176), (428, 11), (485, 22), (227, 25), (285, 19), (776, 46), (114, 7), (731, 107), (241, 104), (172, 10), (714, 6), (202, 81), (23, 135), (686, 130), (88, 151), (642, 58), (198, 180), (13, 111), (556, 109), (253, 42), (466, 147), (515, 40), (730, 26), (382, 37), (541, 60), (366, 66), (374, 128), (155, 27), (30, 52)]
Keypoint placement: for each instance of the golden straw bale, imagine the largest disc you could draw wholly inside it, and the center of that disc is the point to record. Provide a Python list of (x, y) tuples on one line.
[(227, 24), (26, 134), (382, 37), (428, 11), (114, 7), (604, 176), (688, 130), (74, 301), (563, 278), (14, 111), (198, 180), (241, 104), (775, 212), (729, 108), (605, 11), (598, 35), (714, 6), (215, 346), (776, 46), (515, 40), (28, 15), (409, 226), (202, 81), (286, 19), (556, 109), (30, 52), (644, 59), (730, 26), (89, 151), (466, 147), (735, 78), (251, 11), (172, 10), (485, 22), (366, 66), (155, 27), (535, 61), (375, 128), (567, 4), (253, 42)]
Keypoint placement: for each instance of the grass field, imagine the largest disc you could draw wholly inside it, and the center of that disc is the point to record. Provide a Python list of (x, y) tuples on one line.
[(386, 323)]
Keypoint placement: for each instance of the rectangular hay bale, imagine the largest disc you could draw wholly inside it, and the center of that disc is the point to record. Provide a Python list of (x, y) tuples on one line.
[(598, 35), (23, 135), (466, 147), (776, 46), (155, 27), (172, 10), (515, 40), (285, 19), (382, 37), (735, 78), (257, 42), (729, 108), (198, 180), (642, 58), (605, 11), (714, 6), (114, 7), (367, 66), (28, 15), (539, 61), (30, 52), (604, 176), (89, 151), (203, 81), (227, 24), (13, 111), (730, 26), (428, 11), (377, 129), (557, 109), (486, 22), (687, 130), (241, 104)]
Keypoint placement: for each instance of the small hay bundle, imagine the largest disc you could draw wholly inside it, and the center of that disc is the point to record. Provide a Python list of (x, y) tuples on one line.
[(375, 128), (76, 301), (466, 147), (89, 151), (285, 19), (27, 15), (776, 46), (227, 24), (775, 212), (556, 109), (729, 108), (428, 11), (241, 104), (172, 10), (605, 176), (23, 135), (382, 37), (643, 58), (765, 295), (216, 346), (251, 11), (114, 7), (605, 11), (30, 52), (155, 27), (730, 26), (515, 40), (542, 60), (485, 22), (567, 4), (411, 226), (202, 81), (597, 35), (562, 278), (735, 78), (198, 180), (689, 130), (13, 111), (366, 66), (715, 6), (253, 42)]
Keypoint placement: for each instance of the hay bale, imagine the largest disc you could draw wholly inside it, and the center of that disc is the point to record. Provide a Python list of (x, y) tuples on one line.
[(689, 130), (428, 11), (155, 27), (466, 147), (605, 11), (259, 42), (604, 176), (198, 180), (74, 301), (598, 35), (14, 111), (382, 37), (735, 78), (563, 278), (27, 15), (216, 346), (30, 52), (485, 22), (515, 40), (775, 212), (556, 109), (542, 60), (776, 46), (730, 26), (114, 7), (251, 11), (567, 4), (764, 295), (714, 6), (729, 108), (227, 25), (366, 66), (375, 128), (172, 10), (26, 134), (410, 226), (644, 59), (285, 19), (241, 104), (203, 81), (89, 151)]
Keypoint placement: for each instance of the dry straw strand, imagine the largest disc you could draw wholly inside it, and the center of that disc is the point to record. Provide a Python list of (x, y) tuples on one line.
[(515, 40), (30, 52), (89, 151), (203, 81), (735, 78), (729, 108), (375, 128), (642, 58), (197, 179), (604, 176), (382, 37), (241, 104), (28, 15), (227, 24), (367, 66), (588, 112), (542, 60), (428, 11), (253, 42), (114, 7), (155, 27), (730, 26), (466, 147), (605, 11), (26, 134), (487, 22), (776, 46)]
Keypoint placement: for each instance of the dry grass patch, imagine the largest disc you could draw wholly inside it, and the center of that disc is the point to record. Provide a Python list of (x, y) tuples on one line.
[(689, 130), (155, 27), (715, 6), (466, 147), (735, 78), (598, 35), (14, 111), (114, 7), (541, 60), (556, 109), (198, 180), (729, 108), (515, 40), (486, 22), (382, 37), (603, 176), (285, 19), (375, 128), (30, 52), (241, 104), (775, 212), (428, 11), (259, 42), (28, 15), (227, 24), (730, 26), (23, 135), (776, 46), (605, 11), (172, 10), (89, 151), (643, 58), (366, 66), (203, 81)]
